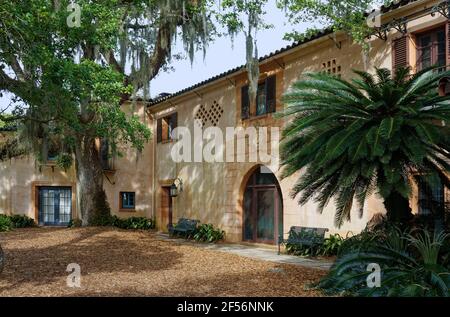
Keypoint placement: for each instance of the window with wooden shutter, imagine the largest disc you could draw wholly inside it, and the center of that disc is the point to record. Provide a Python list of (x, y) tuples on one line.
[(173, 123), (165, 127), (245, 103), (271, 94), (400, 53), (266, 96), (159, 130)]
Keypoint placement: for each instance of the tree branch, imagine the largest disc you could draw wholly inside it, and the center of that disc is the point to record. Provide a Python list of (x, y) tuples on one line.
[(23, 89), (113, 61), (160, 54), (15, 65)]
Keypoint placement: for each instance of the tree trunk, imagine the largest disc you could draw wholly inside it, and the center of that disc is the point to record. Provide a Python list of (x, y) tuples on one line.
[(92, 205), (398, 210)]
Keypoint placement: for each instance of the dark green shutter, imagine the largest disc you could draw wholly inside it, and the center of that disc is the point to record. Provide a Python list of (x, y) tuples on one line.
[(245, 103), (271, 94)]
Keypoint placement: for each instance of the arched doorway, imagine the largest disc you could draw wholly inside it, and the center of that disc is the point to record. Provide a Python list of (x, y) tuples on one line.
[(262, 207)]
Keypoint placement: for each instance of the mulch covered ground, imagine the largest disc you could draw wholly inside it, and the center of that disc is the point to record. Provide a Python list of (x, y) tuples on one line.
[(134, 263)]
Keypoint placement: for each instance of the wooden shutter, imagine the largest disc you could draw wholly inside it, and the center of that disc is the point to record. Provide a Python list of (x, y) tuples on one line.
[(400, 53), (271, 94), (173, 123), (245, 103), (159, 130)]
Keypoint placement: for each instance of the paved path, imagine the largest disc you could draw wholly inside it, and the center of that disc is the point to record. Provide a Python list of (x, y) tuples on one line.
[(255, 252)]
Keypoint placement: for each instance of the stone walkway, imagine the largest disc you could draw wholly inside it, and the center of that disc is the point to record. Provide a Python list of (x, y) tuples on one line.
[(255, 252)]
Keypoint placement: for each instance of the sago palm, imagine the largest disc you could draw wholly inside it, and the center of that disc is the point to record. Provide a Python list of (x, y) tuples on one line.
[(371, 134), (412, 264)]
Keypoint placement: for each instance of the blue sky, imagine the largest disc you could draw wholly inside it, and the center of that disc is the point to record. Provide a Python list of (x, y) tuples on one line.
[(220, 56)]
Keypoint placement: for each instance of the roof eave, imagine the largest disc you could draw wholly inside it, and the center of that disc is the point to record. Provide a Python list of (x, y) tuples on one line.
[(241, 69)]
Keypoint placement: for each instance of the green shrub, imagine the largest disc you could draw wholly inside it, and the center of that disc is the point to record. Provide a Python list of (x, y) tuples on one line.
[(301, 249), (359, 242), (74, 223), (134, 223), (331, 245), (22, 221), (412, 264), (328, 248), (207, 233), (5, 223), (140, 223), (8, 223)]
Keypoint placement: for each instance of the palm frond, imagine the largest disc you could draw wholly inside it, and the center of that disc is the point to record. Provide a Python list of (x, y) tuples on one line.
[(366, 135)]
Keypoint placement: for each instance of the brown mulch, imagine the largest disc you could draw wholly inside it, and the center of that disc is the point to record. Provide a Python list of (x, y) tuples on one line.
[(134, 263)]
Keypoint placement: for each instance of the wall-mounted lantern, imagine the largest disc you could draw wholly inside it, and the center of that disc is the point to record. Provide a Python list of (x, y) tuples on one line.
[(175, 188)]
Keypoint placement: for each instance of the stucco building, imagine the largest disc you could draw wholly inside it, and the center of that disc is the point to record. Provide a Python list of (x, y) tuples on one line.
[(244, 196)]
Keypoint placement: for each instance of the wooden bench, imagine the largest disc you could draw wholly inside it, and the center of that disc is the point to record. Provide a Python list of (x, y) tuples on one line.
[(310, 237), (184, 227)]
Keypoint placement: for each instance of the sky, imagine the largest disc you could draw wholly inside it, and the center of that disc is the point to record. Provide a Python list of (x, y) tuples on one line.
[(221, 56)]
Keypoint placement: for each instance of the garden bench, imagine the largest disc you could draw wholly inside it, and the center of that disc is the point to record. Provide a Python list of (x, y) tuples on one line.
[(310, 237), (184, 227)]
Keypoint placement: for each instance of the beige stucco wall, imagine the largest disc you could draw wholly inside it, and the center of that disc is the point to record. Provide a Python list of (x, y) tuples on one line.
[(133, 172), (213, 191), (20, 177)]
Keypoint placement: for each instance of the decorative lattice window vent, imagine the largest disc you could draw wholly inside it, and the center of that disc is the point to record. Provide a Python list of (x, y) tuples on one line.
[(332, 67), (205, 116)]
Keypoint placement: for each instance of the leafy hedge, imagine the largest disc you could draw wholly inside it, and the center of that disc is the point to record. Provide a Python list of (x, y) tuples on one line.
[(133, 223), (8, 223), (140, 223), (20, 221)]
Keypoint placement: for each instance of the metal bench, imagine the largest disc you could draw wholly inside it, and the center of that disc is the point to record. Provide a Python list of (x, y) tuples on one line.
[(184, 227), (2, 259), (310, 237)]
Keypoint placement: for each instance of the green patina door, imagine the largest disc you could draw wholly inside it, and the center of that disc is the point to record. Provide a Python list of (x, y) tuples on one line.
[(263, 208)]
